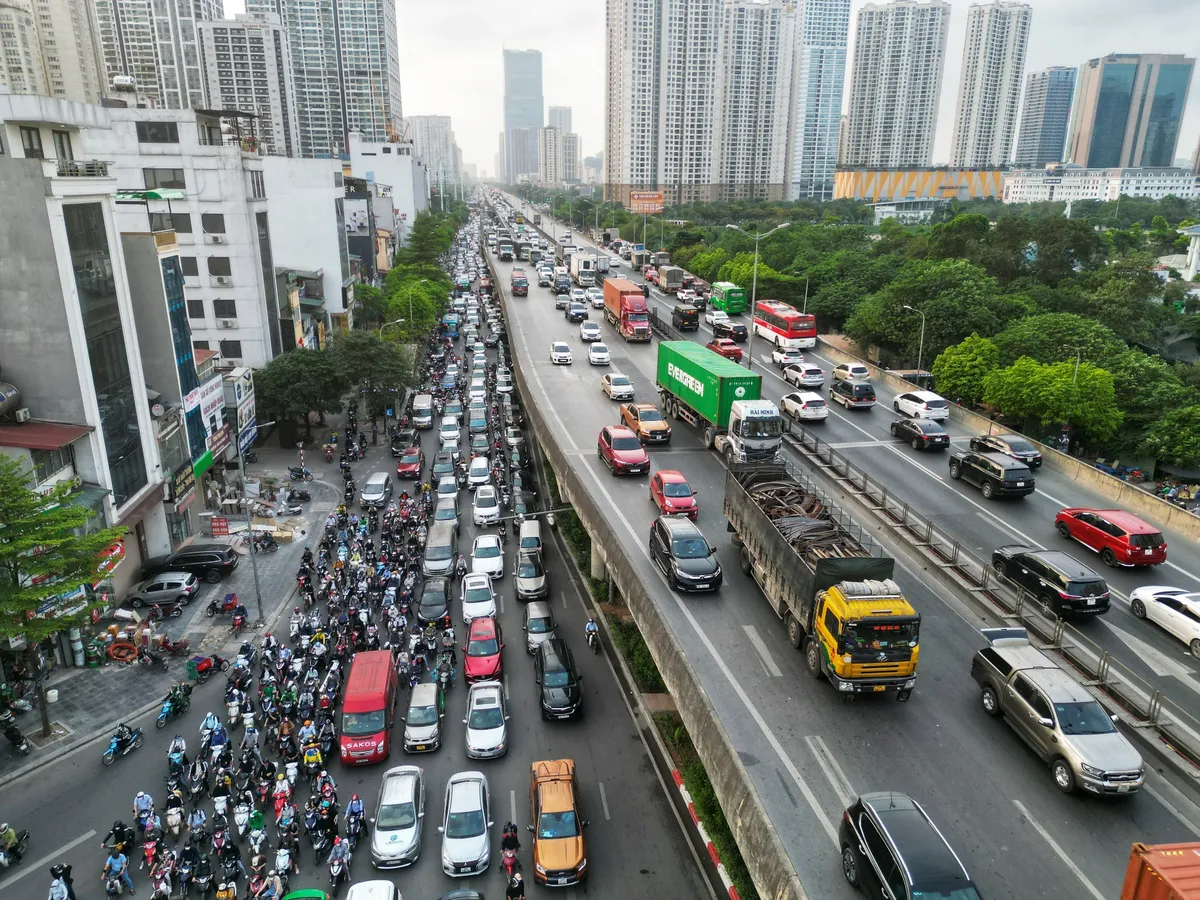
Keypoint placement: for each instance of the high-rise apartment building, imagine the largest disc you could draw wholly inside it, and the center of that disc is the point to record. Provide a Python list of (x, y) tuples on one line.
[(550, 156), (248, 67), (989, 89), (523, 110), (899, 54), (51, 48), (1128, 107), (632, 48), (817, 100), (433, 138), (572, 158), (1046, 117), (21, 68), (559, 117), (685, 82)]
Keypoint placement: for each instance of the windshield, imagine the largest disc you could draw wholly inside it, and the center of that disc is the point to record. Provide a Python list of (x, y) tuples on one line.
[(487, 551), (487, 717), (557, 679), (881, 635), (557, 825), (436, 553), (483, 501), (626, 443), (761, 428), (359, 723), (1087, 717), (422, 715), (638, 317), (540, 625), (676, 489), (464, 824), (483, 647), (689, 548), (619, 380), (445, 513), (400, 815), (410, 458), (561, 348), (478, 595), (649, 415)]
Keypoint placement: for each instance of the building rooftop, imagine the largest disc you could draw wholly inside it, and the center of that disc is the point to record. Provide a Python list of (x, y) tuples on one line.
[(202, 356), (41, 435)]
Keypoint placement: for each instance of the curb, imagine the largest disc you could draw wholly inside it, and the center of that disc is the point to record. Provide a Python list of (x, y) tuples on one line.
[(712, 848)]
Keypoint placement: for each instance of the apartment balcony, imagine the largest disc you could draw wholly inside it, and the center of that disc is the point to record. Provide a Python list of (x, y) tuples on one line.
[(80, 168)]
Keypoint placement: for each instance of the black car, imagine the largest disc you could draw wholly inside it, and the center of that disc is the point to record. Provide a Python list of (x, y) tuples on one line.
[(892, 849), (684, 554), (438, 353), (523, 503), (923, 434), (523, 482), (405, 438), (1010, 445), (996, 474), (443, 464), (491, 340), (434, 602), (576, 312), (559, 692), (212, 562), (735, 331), (1059, 583)]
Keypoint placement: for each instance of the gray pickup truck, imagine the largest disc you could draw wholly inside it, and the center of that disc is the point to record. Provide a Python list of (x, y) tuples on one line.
[(1055, 715)]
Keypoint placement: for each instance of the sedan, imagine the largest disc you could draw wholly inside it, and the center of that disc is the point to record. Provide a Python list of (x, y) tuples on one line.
[(477, 597), (539, 624), (684, 555), (713, 316), (480, 473), (486, 508), (411, 463), (482, 656), (513, 437), (487, 556), (530, 574), (735, 331), (434, 602), (560, 353), (598, 355), (466, 818), (447, 511), (673, 496), (487, 715), (726, 348), (596, 296), (921, 433), (396, 835), (589, 331), (786, 356), (1172, 608), (578, 295), (622, 451), (617, 386)]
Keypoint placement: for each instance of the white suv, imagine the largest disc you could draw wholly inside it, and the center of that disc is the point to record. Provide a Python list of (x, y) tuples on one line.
[(922, 405), (851, 372)]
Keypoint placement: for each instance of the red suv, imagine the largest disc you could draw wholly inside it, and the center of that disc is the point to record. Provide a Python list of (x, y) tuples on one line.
[(411, 462), (622, 451), (726, 348), (1121, 539)]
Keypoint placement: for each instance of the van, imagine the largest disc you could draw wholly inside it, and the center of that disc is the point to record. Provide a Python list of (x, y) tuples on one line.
[(368, 707), (422, 411), (441, 546), (531, 536), (853, 393)]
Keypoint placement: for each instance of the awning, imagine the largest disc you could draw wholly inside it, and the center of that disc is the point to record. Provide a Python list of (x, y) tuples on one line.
[(41, 435), (312, 302)]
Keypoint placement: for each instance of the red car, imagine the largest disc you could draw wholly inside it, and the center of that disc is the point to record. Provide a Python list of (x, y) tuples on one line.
[(484, 643), (411, 463), (726, 348), (1120, 538), (622, 451), (673, 495)]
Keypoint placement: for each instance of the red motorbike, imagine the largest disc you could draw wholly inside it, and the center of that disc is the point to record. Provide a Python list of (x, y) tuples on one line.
[(149, 851), (239, 622), (176, 648)]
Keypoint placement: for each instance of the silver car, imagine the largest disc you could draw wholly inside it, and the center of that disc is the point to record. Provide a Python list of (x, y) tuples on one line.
[(539, 625), (423, 721), (396, 828), (466, 818), (530, 572), (447, 511), (377, 490), (486, 721)]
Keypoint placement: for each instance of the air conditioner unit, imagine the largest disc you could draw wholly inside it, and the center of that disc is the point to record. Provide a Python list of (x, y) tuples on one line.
[(22, 414), (215, 238), (224, 280), (231, 362), (227, 323)]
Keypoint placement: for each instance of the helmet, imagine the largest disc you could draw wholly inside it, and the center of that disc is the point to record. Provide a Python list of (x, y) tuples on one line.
[(56, 871), (353, 797), (4, 827), (140, 795), (271, 874), (336, 841), (297, 609), (516, 878), (222, 886), (324, 774), (280, 777)]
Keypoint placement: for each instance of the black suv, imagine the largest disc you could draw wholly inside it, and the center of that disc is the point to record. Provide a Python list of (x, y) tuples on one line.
[(559, 692), (996, 475), (212, 562), (892, 849), (684, 554), (1060, 584), (853, 393), (1010, 445), (735, 331), (576, 312)]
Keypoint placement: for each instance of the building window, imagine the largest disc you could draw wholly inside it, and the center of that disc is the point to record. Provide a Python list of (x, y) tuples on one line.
[(212, 223), (225, 309), (195, 308), (258, 188), (199, 345), (157, 133), (180, 223), (164, 178), (231, 349), (219, 265), (31, 142), (188, 266), (48, 462), (62, 145)]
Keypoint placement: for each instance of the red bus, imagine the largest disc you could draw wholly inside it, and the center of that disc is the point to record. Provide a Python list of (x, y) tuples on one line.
[(783, 325), (368, 709)]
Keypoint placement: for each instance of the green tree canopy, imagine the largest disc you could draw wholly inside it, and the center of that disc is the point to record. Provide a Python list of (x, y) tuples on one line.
[(1054, 337), (300, 382), (960, 370), (1175, 438), (1052, 395), (377, 368)]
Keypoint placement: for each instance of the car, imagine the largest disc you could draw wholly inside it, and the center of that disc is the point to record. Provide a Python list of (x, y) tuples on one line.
[(1010, 445), (530, 574), (479, 445), (504, 384), (560, 693), (645, 420), (561, 299), (477, 422), (921, 434), (578, 295), (735, 331), (805, 406), (466, 820), (622, 451), (596, 298), (449, 382), (1062, 585), (491, 339), (485, 510), (477, 597), (453, 408), (449, 429), (396, 827), (169, 591), (560, 353), (434, 600), (598, 354), (1121, 538), (411, 464), (481, 657), (487, 556), (851, 372), (804, 374), (479, 473), (443, 465), (726, 348), (212, 562), (687, 295), (853, 394), (486, 721), (514, 437), (673, 496), (1175, 610), (522, 482), (713, 316), (423, 719), (403, 439), (446, 510), (684, 554), (922, 405), (589, 331), (617, 386), (539, 624), (559, 850), (576, 312), (452, 368), (786, 356), (891, 848), (478, 349), (447, 488), (544, 276), (996, 475)]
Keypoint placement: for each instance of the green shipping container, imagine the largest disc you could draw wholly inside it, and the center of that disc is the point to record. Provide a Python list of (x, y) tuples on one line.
[(705, 381)]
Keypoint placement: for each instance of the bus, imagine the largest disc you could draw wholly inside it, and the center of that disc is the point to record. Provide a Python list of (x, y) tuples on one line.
[(728, 298), (784, 325)]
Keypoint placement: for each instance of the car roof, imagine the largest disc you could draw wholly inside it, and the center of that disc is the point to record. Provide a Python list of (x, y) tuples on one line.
[(485, 489), (671, 475), (483, 540), (926, 395), (537, 609), (173, 575), (466, 790), (400, 784), (1064, 562), (424, 694), (489, 690), (484, 626), (1000, 459), (676, 525), (929, 861), (621, 431), (1127, 521)]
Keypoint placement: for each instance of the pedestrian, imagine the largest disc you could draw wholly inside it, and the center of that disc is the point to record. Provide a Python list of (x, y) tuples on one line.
[(58, 887)]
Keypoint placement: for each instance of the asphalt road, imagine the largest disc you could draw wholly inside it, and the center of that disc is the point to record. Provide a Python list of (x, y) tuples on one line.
[(807, 752), (635, 844)]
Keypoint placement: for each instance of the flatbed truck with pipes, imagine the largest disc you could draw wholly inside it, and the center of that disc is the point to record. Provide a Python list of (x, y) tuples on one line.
[(824, 577)]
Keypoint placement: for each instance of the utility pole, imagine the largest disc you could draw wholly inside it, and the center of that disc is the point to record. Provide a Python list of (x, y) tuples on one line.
[(754, 285)]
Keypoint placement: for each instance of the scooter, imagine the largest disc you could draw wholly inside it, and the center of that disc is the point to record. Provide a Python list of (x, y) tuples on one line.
[(22, 842), (175, 821), (226, 605), (116, 748), (593, 639), (299, 495), (337, 875), (300, 473), (19, 742), (241, 820)]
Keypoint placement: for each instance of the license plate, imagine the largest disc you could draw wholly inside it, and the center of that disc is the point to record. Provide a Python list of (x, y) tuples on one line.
[(635, 469), (420, 746), (880, 687), (1148, 551), (1091, 601), (560, 880), (1020, 484), (1124, 788)]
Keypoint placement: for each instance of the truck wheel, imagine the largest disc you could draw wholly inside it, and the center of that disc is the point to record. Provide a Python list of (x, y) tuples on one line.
[(744, 560), (1064, 777), (991, 703), (795, 633), (812, 658), (709, 437)]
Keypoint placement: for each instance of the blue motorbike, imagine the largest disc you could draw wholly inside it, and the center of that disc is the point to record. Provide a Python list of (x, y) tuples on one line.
[(125, 741)]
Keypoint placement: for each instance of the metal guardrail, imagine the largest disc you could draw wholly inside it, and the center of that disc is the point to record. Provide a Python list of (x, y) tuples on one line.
[(1101, 669)]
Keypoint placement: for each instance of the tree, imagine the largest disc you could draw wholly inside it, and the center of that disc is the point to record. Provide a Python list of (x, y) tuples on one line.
[(378, 368), (370, 305), (46, 554), (1054, 337), (1175, 438), (1052, 395), (300, 382), (960, 370)]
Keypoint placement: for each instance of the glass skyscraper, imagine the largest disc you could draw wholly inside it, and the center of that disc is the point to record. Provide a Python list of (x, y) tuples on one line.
[(523, 108)]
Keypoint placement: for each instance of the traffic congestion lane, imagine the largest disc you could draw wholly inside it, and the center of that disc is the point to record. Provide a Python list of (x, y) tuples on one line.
[(936, 747)]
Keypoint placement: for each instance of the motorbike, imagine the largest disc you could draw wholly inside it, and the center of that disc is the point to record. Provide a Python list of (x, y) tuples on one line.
[(169, 709), (229, 869), (206, 666), (283, 861), (117, 747), (112, 886), (185, 877), (176, 648), (241, 819), (250, 456), (299, 495), (510, 863), (593, 639), (291, 769), (337, 875), (19, 742), (152, 658), (258, 840), (299, 473), (353, 830), (149, 851), (175, 821), (22, 843), (239, 622), (202, 876), (266, 543), (225, 605)]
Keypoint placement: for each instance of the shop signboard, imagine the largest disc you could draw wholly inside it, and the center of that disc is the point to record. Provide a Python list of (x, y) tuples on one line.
[(220, 526), (239, 386), (182, 485), (212, 404), (248, 436), (219, 442)]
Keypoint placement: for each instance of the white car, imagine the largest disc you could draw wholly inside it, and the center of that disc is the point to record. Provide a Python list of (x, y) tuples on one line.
[(513, 437), (396, 837), (851, 372), (504, 384), (804, 375), (487, 715), (487, 556), (466, 824), (560, 354), (687, 295), (478, 598), (589, 331), (596, 296), (617, 386), (598, 355), (486, 507), (578, 295), (449, 430), (452, 369), (1176, 610), (786, 356), (922, 405), (713, 316), (805, 406), (480, 472)]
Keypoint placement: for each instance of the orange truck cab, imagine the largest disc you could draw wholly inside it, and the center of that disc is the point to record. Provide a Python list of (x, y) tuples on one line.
[(368, 709), (559, 849)]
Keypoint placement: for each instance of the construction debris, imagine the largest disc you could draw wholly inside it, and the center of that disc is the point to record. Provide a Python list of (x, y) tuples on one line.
[(803, 520)]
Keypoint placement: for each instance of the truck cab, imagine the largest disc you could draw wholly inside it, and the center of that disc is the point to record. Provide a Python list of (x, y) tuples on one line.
[(755, 432), (865, 638)]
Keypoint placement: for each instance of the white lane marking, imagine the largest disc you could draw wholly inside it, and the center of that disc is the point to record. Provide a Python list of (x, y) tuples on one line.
[(821, 754), (1059, 852), (854, 445), (1061, 503), (49, 857), (718, 661), (563, 595), (562, 429), (604, 803), (512, 806), (1183, 571), (763, 653), (837, 768), (1153, 659), (1169, 807), (500, 599)]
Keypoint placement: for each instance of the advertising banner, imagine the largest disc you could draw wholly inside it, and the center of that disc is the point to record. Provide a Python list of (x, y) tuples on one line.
[(646, 202)]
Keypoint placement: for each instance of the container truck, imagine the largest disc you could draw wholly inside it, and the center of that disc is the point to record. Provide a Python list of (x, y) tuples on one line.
[(824, 577), (670, 279), (728, 297), (626, 310), (708, 391), (583, 269), (1163, 872), (660, 259)]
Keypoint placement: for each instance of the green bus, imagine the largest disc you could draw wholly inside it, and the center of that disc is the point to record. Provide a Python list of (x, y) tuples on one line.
[(729, 298)]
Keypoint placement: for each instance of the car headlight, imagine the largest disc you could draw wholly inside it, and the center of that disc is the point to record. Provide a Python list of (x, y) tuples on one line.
[(1091, 770), (582, 865), (500, 746), (541, 870)]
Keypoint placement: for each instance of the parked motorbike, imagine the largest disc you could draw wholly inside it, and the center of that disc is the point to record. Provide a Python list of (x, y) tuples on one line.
[(118, 747), (225, 605), (299, 495), (300, 473), (152, 658), (8, 724)]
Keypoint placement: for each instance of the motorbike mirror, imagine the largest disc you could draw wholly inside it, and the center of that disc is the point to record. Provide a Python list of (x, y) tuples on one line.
[(402, 719), (371, 820), (464, 721), (530, 827), (441, 830), (587, 822)]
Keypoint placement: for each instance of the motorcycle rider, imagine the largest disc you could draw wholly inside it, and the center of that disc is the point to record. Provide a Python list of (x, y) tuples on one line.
[(8, 842), (354, 808), (323, 780), (196, 823), (510, 841), (227, 890), (143, 808), (307, 733), (231, 851), (591, 628), (341, 850), (272, 887), (117, 865), (62, 875), (515, 889), (178, 746)]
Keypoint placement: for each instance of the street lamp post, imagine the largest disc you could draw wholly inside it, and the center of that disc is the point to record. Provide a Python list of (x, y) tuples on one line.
[(410, 290), (921, 342), (250, 529), (754, 284), (385, 325)]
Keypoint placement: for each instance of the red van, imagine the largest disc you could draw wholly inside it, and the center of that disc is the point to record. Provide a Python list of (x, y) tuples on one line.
[(368, 709)]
